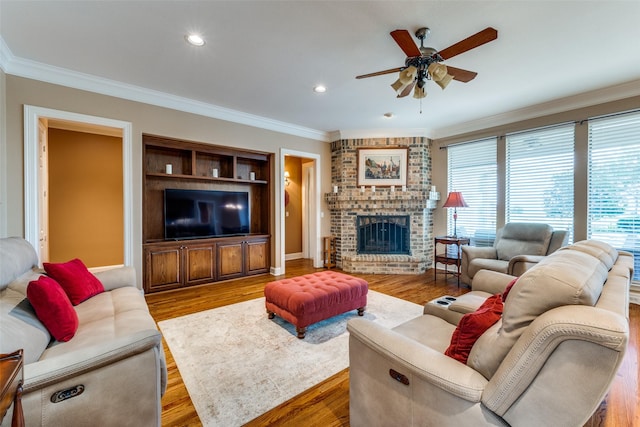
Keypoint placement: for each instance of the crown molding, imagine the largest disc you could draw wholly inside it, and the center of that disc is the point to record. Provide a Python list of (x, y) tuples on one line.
[(5, 55), (377, 133), (50, 74), (582, 100)]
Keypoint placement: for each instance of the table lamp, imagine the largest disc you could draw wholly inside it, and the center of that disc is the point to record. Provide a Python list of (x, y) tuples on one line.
[(455, 201)]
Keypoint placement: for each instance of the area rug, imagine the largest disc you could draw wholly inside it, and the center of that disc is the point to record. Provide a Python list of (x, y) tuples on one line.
[(237, 364)]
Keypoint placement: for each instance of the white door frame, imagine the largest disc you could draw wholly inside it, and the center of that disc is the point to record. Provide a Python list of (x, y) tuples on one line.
[(32, 115), (314, 221)]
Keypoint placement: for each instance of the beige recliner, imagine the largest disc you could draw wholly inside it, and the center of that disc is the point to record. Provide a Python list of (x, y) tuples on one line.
[(549, 360), (518, 246)]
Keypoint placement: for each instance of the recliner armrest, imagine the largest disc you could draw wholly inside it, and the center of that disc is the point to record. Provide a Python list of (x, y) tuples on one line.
[(56, 369), (432, 366), (521, 263), (479, 252), (491, 282)]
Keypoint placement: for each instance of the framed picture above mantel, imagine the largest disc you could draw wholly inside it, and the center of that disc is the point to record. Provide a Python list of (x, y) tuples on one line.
[(382, 166)]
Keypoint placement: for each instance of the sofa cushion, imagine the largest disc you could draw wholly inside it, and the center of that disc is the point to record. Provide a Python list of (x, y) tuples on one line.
[(53, 307), (562, 278), (19, 325), (478, 264), (471, 326), (76, 280), (18, 257), (598, 249), (104, 317), (523, 239)]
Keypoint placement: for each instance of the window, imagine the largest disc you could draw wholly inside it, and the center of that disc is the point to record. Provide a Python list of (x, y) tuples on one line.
[(472, 170), (614, 183), (539, 181)]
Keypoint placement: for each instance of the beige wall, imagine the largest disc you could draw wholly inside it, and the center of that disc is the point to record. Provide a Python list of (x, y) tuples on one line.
[(145, 119), (3, 156), (85, 198), (580, 193), (293, 211)]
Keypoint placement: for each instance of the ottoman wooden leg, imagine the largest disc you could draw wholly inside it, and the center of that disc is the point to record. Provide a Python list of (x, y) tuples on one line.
[(361, 311), (301, 332), (271, 314)]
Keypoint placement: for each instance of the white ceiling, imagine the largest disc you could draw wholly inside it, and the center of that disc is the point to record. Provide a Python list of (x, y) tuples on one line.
[(262, 58)]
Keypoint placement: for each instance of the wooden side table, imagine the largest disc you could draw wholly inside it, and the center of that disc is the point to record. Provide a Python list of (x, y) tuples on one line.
[(11, 387), (329, 251), (452, 254)]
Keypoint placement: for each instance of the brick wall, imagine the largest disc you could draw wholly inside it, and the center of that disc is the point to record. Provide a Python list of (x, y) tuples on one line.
[(349, 202)]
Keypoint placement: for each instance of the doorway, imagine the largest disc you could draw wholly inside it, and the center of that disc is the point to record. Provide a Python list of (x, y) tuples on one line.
[(37, 122), (303, 186)]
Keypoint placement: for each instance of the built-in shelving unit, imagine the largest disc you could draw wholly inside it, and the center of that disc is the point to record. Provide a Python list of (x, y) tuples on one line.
[(198, 166)]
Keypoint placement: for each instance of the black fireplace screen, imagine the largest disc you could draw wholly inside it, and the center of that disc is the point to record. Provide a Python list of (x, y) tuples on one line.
[(383, 234)]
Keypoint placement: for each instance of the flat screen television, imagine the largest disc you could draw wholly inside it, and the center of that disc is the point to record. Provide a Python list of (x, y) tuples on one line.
[(196, 214)]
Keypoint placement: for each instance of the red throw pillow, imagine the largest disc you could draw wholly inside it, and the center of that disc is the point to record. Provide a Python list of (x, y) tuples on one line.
[(471, 326), (508, 289), (75, 279), (53, 308)]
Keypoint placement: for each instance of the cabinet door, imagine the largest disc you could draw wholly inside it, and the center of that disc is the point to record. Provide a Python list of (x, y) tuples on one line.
[(230, 257), (257, 259), (163, 268), (199, 264)]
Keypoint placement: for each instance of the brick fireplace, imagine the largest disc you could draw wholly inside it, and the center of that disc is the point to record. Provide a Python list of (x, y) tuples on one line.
[(349, 204)]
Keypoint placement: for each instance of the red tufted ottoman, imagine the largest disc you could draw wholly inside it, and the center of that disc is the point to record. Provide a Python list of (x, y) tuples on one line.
[(308, 299)]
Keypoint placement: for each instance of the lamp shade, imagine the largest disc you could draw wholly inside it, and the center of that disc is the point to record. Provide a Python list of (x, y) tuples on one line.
[(455, 200)]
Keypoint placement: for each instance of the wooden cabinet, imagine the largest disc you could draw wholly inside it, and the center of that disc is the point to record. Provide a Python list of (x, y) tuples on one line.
[(172, 265), (237, 258), (176, 164)]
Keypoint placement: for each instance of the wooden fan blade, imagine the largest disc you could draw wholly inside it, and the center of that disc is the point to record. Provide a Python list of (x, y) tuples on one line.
[(406, 43), (461, 75), (407, 90), (471, 42), (380, 73)]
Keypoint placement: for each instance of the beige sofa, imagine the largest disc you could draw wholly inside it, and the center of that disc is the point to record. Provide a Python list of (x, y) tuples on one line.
[(518, 246), (115, 358), (549, 360)]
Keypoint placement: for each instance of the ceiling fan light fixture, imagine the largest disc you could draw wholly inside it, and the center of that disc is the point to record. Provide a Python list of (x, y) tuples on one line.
[(444, 81), (419, 93), (439, 74), (407, 76)]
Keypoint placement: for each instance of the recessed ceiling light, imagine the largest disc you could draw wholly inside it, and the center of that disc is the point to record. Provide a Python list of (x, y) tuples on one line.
[(388, 115), (194, 39), (320, 89)]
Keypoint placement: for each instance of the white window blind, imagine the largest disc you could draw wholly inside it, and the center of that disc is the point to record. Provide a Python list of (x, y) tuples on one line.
[(539, 181), (614, 183), (472, 171)]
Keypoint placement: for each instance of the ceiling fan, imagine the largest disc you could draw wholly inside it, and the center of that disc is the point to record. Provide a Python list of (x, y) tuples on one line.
[(424, 63)]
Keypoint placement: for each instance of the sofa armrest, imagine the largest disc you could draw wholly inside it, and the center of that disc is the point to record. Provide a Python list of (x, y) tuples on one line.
[(117, 277), (491, 282), (521, 263), (59, 368), (432, 366)]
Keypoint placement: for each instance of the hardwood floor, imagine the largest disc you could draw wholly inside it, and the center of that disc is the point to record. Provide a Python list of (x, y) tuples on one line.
[(327, 404)]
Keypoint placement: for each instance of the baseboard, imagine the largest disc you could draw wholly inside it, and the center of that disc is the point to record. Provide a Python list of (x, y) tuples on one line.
[(275, 271), (296, 255)]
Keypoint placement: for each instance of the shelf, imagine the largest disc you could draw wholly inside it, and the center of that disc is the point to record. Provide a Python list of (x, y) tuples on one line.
[(205, 178), (196, 166)]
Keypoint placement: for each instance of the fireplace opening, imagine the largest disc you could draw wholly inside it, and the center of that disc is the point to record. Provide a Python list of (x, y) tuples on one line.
[(383, 234)]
